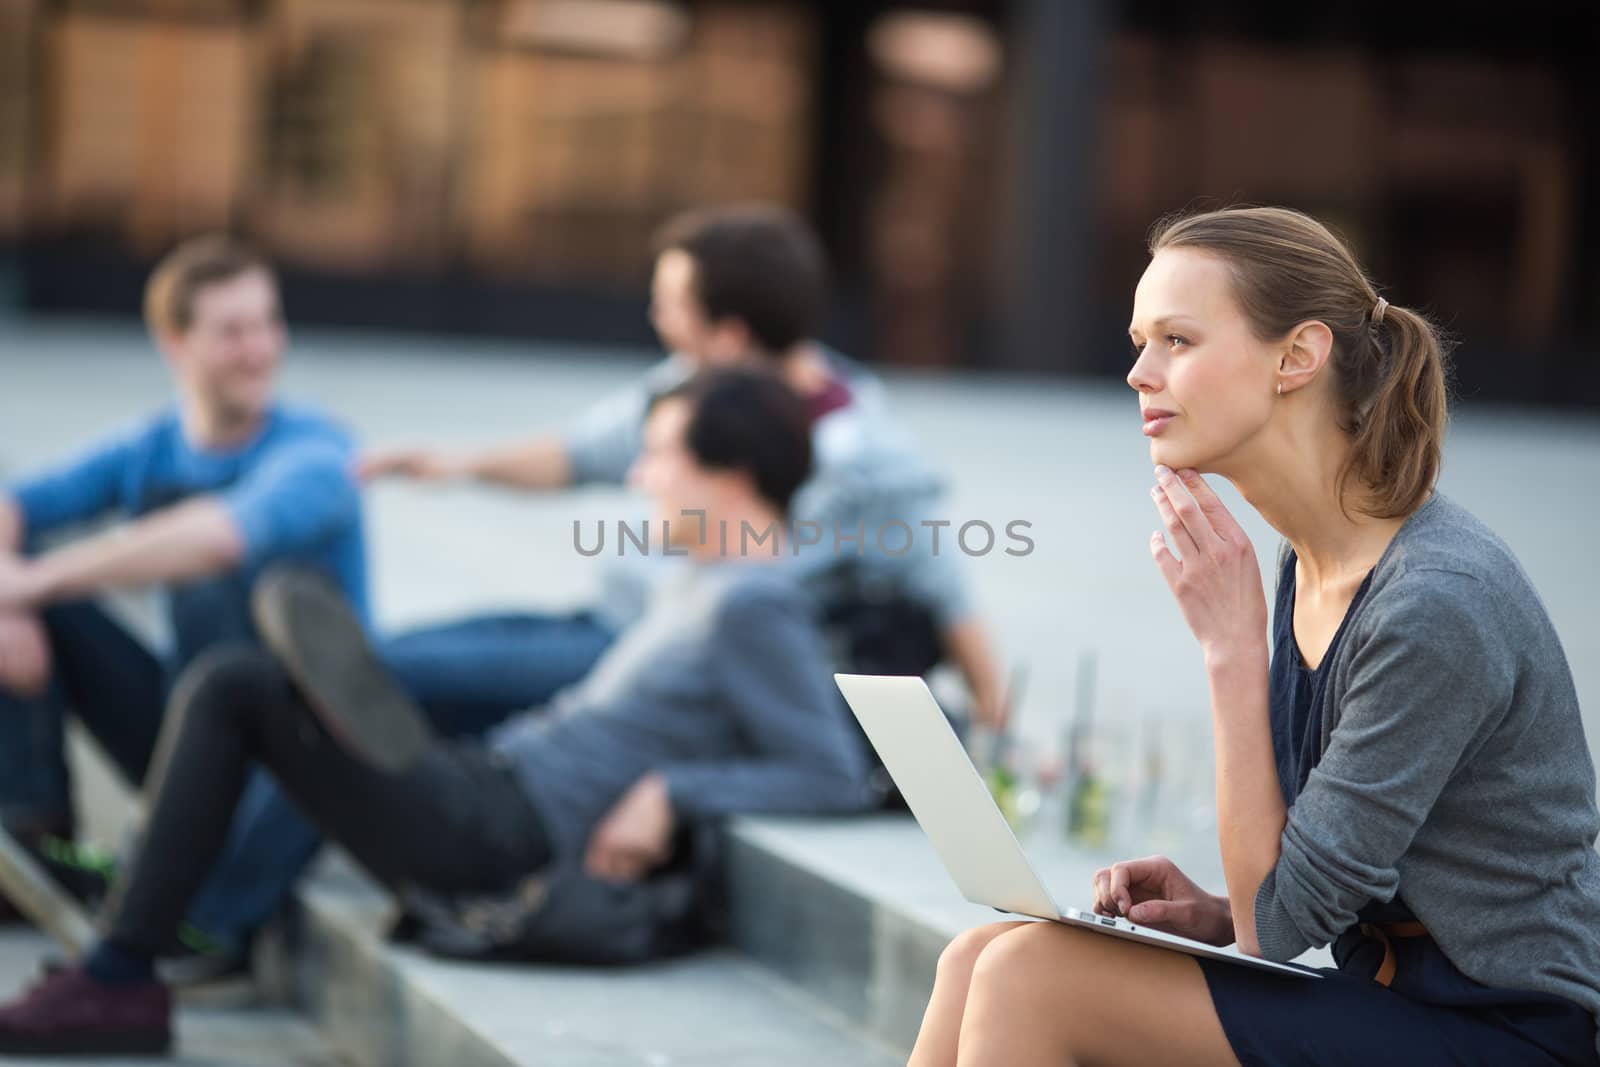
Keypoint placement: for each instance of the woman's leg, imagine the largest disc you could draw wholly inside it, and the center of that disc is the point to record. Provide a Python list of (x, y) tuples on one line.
[(441, 823), (1044, 993), (941, 1023)]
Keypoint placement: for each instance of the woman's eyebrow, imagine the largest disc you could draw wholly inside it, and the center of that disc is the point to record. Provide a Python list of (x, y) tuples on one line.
[(1155, 325)]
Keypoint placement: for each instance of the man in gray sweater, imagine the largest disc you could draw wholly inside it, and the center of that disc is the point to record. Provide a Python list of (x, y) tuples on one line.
[(718, 700)]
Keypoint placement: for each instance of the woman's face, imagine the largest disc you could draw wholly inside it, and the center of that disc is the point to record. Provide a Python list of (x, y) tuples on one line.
[(1206, 384)]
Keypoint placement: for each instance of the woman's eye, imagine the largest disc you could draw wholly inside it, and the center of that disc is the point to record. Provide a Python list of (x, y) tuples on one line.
[(1173, 340)]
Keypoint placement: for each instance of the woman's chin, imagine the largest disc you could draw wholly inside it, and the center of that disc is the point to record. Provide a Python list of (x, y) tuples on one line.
[(1166, 454), (1174, 457)]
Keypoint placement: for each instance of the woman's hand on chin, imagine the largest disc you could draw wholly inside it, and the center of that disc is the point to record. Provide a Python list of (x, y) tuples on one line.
[(1214, 576)]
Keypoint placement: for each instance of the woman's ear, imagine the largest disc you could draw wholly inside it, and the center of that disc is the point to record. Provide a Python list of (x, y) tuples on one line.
[(1305, 352)]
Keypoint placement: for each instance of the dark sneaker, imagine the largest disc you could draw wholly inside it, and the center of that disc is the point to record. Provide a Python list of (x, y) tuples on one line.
[(85, 871), (69, 1013), (194, 961), (309, 626), (199, 960), (29, 837), (25, 882)]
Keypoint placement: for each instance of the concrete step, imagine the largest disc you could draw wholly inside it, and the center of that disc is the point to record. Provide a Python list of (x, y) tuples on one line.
[(856, 911), (381, 1004)]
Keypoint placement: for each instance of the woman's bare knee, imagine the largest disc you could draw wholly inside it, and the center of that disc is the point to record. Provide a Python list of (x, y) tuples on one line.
[(941, 1024), (962, 953), (1100, 999), (1025, 953)]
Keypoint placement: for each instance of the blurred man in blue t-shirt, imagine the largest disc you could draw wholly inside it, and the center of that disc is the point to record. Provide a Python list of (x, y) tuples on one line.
[(201, 496)]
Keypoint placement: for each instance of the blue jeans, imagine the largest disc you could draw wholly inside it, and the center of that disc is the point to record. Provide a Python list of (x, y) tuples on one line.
[(468, 676), (472, 674)]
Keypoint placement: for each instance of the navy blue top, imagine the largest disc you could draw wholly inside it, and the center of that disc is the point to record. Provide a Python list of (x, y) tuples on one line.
[(1422, 971)]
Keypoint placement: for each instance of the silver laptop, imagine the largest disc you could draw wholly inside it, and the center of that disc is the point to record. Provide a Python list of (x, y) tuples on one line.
[(956, 811)]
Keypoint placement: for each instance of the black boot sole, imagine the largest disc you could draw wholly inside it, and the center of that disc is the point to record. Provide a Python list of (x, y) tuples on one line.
[(309, 627)]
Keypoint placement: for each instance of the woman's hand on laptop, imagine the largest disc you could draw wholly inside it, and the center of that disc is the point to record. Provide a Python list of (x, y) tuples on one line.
[(1153, 892)]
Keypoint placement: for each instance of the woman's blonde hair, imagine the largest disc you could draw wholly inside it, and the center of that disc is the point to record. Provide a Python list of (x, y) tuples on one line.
[(1390, 364)]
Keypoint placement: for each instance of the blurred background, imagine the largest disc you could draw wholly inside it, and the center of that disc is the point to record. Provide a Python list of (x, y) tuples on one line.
[(460, 196), (983, 172)]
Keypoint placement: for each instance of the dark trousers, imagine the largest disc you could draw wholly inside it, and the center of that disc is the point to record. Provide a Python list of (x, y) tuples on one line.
[(114, 684), (468, 675), (456, 821)]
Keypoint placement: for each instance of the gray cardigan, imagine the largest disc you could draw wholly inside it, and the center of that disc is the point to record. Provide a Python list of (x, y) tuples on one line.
[(1454, 770)]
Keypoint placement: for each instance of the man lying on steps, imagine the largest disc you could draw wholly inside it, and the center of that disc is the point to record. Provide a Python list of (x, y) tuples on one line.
[(717, 701)]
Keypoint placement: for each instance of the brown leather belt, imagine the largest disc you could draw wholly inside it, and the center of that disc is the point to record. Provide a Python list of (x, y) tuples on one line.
[(1382, 932)]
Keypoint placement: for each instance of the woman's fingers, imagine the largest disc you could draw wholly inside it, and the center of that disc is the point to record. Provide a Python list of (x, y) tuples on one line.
[(1121, 893), (1198, 919), (1102, 895), (1216, 513), (1116, 886), (1173, 915), (1151, 912), (1166, 562), (1186, 510), (1105, 894), (1151, 871), (1182, 539)]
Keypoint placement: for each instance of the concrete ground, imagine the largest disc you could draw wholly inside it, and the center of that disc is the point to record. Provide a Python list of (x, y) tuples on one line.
[(1065, 456)]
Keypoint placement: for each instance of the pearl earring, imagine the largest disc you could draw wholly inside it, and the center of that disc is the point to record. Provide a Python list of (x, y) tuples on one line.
[(1280, 388)]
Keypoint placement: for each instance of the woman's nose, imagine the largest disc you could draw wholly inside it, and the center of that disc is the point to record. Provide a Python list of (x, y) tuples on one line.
[(1143, 377)]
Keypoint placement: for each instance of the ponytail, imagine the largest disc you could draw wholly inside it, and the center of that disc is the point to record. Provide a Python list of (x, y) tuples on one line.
[(1398, 427)]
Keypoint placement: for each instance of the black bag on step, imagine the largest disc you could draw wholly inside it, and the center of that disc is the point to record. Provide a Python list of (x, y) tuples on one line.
[(561, 915)]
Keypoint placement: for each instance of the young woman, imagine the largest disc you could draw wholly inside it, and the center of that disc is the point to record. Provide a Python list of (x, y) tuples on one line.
[(1401, 767)]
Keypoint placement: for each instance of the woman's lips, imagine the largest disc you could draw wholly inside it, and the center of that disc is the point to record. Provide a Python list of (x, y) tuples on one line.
[(1155, 421)]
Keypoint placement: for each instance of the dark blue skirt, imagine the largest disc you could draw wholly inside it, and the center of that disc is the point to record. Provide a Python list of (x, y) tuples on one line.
[(1348, 1019)]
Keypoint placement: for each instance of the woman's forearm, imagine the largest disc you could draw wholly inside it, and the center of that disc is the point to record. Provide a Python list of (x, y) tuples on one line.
[(1250, 809)]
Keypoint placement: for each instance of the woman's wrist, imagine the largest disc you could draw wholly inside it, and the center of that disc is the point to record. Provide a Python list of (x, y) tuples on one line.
[(1226, 660), (1222, 935)]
